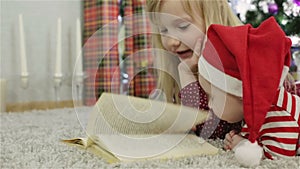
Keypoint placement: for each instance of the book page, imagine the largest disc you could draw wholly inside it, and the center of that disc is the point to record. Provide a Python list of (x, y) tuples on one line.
[(132, 127), (120, 114), (190, 145)]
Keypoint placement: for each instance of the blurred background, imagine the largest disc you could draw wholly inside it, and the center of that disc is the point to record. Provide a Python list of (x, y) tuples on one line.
[(55, 52)]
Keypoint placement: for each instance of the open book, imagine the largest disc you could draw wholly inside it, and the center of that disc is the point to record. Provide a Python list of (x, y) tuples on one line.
[(127, 128)]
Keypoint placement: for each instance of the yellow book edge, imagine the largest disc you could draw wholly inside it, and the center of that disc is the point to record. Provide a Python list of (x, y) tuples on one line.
[(88, 145), (197, 147)]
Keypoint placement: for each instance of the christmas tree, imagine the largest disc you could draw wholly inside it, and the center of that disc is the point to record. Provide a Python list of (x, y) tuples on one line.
[(286, 12)]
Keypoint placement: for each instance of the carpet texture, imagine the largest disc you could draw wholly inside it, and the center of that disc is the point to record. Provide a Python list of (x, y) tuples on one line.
[(31, 140)]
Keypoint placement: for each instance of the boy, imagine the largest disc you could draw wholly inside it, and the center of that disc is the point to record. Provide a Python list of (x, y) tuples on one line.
[(242, 70)]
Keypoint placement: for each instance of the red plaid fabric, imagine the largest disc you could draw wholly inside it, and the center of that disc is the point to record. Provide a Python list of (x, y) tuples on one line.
[(138, 58), (101, 56), (100, 48)]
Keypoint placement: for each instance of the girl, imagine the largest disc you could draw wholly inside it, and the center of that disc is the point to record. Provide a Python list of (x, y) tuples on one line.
[(181, 27)]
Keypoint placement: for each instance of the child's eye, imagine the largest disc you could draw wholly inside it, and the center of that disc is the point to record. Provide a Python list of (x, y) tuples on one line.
[(183, 26), (163, 30)]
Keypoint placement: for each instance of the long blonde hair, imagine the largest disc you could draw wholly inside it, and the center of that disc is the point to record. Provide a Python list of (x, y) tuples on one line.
[(210, 12)]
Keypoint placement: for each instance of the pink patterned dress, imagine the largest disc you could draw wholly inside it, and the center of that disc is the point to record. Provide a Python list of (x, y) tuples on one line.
[(194, 96)]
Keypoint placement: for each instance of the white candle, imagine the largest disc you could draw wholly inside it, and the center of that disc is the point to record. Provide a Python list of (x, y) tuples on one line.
[(58, 71), (79, 65), (24, 71)]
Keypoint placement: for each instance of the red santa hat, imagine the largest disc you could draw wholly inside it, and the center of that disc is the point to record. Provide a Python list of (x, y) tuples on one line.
[(247, 62)]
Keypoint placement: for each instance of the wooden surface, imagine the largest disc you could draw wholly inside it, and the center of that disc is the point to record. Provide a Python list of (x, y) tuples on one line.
[(41, 105)]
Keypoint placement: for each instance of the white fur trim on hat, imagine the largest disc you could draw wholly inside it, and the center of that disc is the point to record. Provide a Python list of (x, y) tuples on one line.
[(220, 79), (226, 82), (248, 154)]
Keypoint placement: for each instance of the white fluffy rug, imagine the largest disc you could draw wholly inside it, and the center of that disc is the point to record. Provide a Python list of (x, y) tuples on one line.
[(31, 140)]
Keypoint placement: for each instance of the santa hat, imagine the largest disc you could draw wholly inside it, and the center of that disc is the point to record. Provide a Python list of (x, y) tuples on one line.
[(247, 62)]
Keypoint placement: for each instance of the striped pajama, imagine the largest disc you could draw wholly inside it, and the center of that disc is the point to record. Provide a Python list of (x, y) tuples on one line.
[(279, 135)]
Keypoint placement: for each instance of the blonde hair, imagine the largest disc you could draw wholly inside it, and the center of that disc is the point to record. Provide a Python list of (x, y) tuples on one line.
[(210, 12)]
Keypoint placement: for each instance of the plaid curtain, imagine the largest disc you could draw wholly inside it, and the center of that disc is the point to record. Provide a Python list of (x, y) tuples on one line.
[(138, 59), (101, 57), (100, 48)]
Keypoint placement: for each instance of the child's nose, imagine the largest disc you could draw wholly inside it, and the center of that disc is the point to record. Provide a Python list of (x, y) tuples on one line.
[(173, 43)]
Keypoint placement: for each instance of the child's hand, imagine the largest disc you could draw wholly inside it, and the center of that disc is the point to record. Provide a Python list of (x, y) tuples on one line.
[(228, 140), (188, 68), (289, 84), (231, 140)]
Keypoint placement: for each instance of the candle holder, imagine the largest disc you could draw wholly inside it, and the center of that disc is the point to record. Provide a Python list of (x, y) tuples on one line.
[(24, 82), (78, 83), (57, 79)]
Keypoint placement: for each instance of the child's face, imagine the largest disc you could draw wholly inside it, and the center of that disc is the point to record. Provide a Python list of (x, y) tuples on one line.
[(226, 106), (179, 30)]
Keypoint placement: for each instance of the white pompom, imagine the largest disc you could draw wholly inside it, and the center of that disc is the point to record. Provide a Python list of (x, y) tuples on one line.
[(248, 154)]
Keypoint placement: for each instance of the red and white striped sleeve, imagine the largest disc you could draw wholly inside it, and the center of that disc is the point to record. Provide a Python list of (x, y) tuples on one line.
[(279, 135)]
